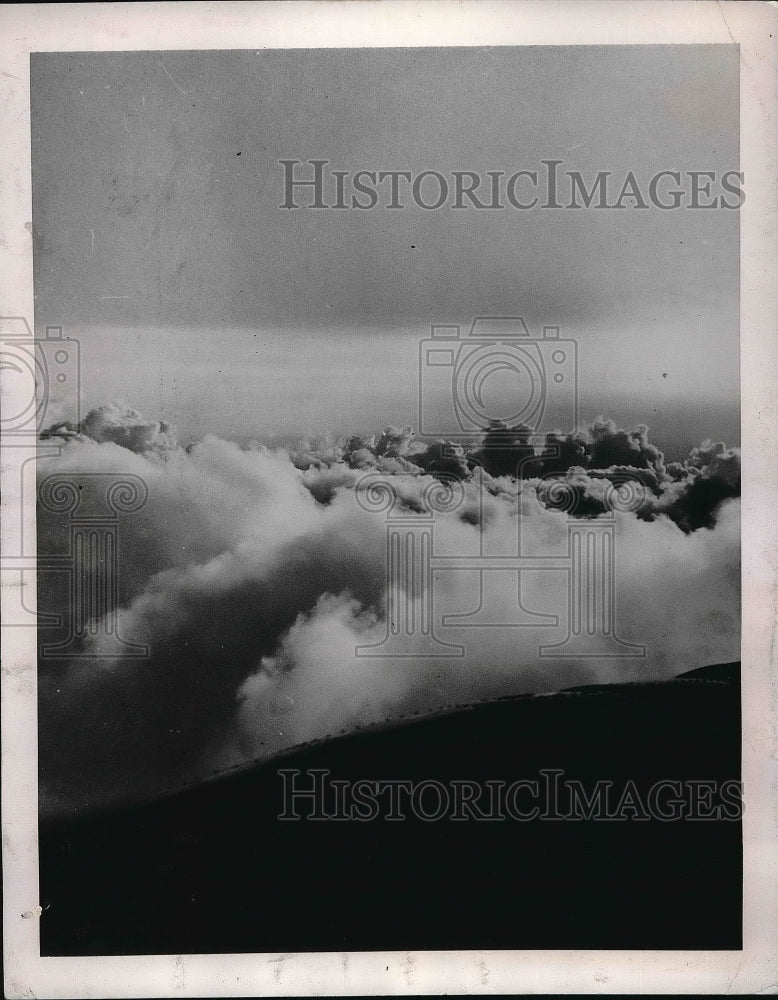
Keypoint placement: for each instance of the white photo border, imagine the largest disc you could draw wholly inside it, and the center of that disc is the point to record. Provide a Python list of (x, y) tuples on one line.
[(752, 25)]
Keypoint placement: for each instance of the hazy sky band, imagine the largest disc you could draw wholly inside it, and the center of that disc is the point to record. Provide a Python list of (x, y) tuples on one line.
[(156, 194)]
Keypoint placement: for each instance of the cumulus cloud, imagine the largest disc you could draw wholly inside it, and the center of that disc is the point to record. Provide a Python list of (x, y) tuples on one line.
[(252, 575), (121, 425)]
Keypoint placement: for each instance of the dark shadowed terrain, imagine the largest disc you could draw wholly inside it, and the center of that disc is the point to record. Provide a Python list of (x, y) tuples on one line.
[(212, 869)]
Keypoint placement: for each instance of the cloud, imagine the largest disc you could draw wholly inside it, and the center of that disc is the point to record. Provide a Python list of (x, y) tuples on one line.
[(121, 425), (252, 574)]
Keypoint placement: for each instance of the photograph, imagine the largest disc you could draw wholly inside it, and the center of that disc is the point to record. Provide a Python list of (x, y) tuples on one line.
[(378, 513)]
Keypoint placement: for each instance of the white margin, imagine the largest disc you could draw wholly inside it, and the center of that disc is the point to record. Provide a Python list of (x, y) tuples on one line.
[(197, 25)]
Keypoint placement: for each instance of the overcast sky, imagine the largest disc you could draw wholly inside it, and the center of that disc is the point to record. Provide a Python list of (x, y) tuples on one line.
[(159, 240)]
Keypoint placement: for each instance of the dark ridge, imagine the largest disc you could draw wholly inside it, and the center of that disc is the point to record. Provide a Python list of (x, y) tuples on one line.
[(213, 869), (723, 673), (719, 673)]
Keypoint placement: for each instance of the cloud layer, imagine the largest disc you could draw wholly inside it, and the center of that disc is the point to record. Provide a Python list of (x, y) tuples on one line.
[(252, 574)]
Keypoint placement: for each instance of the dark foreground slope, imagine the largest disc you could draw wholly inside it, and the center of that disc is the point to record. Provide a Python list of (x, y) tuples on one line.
[(213, 869)]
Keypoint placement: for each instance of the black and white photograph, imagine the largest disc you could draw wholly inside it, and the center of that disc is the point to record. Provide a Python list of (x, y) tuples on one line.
[(376, 513)]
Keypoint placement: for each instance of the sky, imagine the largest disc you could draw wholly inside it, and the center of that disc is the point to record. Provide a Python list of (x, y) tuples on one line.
[(161, 245)]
